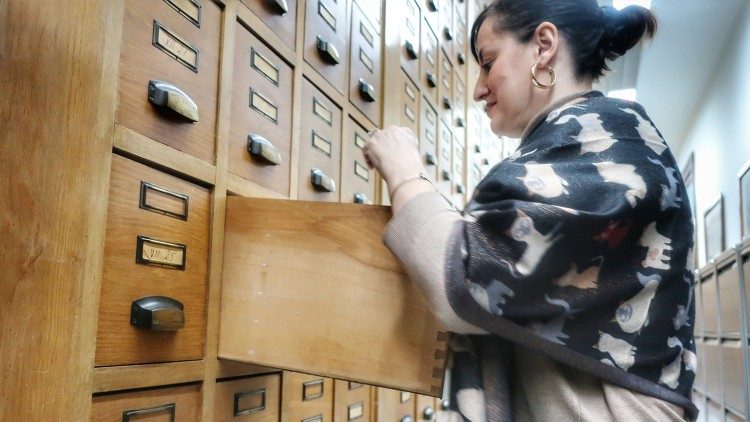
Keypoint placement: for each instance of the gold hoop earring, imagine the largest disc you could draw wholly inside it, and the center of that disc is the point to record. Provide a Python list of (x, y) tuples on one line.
[(536, 82)]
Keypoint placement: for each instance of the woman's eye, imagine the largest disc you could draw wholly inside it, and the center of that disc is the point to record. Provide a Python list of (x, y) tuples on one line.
[(486, 66)]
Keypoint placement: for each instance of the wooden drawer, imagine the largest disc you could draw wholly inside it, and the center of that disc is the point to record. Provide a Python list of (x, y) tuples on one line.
[(161, 404), (261, 127), (444, 180), (326, 36), (430, 58), (320, 146), (698, 299), (249, 399), (733, 417), (459, 99), (351, 401), (734, 374), (373, 11), (395, 405), (159, 43), (729, 295), (447, 33), (409, 104), (426, 408), (461, 43), (279, 15), (310, 286), (710, 306), (366, 72), (459, 182), (713, 369), (428, 139), (714, 411), (431, 13), (306, 398), (700, 353), (446, 89), (357, 181), (134, 223), (410, 39)]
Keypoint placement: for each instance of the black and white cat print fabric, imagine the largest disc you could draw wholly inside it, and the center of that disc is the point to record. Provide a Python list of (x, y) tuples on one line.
[(579, 246)]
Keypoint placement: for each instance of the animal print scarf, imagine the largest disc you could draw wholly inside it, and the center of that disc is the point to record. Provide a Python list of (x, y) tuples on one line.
[(578, 246)]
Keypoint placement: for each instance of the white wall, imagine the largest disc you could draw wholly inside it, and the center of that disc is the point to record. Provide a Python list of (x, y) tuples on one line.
[(720, 133)]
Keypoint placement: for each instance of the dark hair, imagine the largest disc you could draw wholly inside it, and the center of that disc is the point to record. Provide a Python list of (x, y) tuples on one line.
[(593, 33)]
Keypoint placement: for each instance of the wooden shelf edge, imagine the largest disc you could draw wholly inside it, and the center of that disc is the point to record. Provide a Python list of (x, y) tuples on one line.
[(114, 378), (239, 186)]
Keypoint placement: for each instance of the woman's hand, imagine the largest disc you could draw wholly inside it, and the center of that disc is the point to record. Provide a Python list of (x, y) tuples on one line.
[(394, 153)]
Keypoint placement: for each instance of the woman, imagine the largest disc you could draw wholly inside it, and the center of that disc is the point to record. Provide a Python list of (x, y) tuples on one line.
[(569, 271)]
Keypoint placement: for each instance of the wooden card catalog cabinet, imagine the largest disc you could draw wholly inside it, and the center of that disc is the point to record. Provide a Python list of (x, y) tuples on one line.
[(309, 286)]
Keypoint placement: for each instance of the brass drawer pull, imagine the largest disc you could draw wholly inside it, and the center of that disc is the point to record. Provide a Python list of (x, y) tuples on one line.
[(448, 33), (411, 51), (126, 415), (367, 91), (322, 182), (178, 201), (447, 103), (361, 198), (312, 390), (281, 6), (428, 413), (168, 96), (255, 396), (429, 158), (328, 51), (431, 80), (461, 57), (262, 149), (158, 313)]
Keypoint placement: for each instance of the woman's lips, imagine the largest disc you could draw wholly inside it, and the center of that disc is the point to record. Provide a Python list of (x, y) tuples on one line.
[(488, 106)]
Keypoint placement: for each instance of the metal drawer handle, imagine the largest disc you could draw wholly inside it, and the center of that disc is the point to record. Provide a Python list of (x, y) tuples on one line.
[(428, 414), (262, 149), (459, 188), (432, 6), (431, 80), (361, 198), (321, 181), (461, 57), (126, 415), (367, 91), (239, 411), (448, 33), (447, 103), (477, 149), (460, 121), (168, 96), (328, 51), (159, 313), (446, 175), (411, 51), (429, 158), (407, 418), (281, 6), (445, 405)]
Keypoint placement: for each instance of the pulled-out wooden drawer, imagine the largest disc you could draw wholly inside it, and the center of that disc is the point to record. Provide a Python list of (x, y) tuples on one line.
[(320, 146), (310, 286), (306, 398), (357, 181), (168, 75), (159, 404), (249, 399), (395, 405), (351, 401), (156, 247), (366, 71), (428, 139), (261, 126), (279, 15), (326, 37)]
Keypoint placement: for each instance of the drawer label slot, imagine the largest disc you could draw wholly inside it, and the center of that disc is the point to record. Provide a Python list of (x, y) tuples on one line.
[(365, 60), (359, 141), (169, 409), (264, 106), (190, 9), (264, 66), (327, 15), (409, 113), (321, 111), (361, 171), (149, 251), (175, 47), (355, 411), (312, 390), (366, 34), (321, 143), (163, 201), (248, 402), (410, 92)]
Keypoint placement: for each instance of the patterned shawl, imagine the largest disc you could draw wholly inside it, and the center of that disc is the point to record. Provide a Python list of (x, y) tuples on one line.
[(578, 246)]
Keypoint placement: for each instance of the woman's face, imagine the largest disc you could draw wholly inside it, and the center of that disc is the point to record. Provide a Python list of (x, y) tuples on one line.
[(504, 80)]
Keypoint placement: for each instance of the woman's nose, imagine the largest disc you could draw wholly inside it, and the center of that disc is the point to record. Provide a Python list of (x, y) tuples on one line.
[(480, 90)]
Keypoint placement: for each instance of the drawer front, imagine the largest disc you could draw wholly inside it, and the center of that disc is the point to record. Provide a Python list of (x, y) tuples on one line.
[(426, 408), (733, 370), (729, 295), (713, 369), (351, 401), (357, 181), (430, 58), (447, 33), (710, 306), (459, 182), (373, 11), (445, 173), (156, 244), (459, 98), (698, 310), (395, 405), (431, 13), (159, 43), (306, 398), (700, 351), (428, 139), (320, 147), (249, 399), (446, 89), (409, 104), (365, 90), (162, 404), (460, 45), (410, 39), (326, 35), (261, 127), (279, 15)]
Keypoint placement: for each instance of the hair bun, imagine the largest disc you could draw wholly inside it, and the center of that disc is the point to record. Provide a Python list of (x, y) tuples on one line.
[(623, 29)]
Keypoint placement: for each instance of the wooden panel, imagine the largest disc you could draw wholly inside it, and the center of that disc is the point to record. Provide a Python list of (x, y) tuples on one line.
[(356, 178), (320, 144), (261, 106), (710, 306), (256, 399), (306, 397), (366, 68), (356, 315), (58, 84), (395, 405), (327, 20), (428, 139), (184, 403), (124, 280), (734, 374), (729, 295), (410, 38), (113, 378), (426, 408), (141, 60), (283, 24), (231, 368), (351, 401), (430, 63), (713, 369)]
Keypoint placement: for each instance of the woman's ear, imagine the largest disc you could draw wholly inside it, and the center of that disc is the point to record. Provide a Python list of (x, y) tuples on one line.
[(546, 40)]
